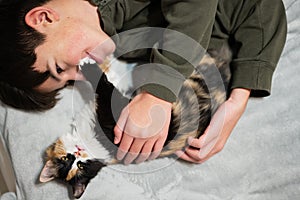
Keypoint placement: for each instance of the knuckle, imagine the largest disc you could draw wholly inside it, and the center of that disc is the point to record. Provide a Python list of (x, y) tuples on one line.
[(125, 111), (133, 151), (143, 156), (219, 147), (123, 150), (200, 158), (117, 129)]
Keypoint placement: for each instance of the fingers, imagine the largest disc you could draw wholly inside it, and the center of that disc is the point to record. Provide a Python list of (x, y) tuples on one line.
[(207, 137), (201, 149), (184, 156), (194, 142), (191, 156), (139, 150), (134, 151), (118, 134), (207, 148), (157, 149), (124, 146), (142, 128), (118, 130), (146, 152), (203, 154)]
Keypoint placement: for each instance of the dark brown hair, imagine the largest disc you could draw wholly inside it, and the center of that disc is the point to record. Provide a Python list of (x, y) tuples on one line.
[(17, 56)]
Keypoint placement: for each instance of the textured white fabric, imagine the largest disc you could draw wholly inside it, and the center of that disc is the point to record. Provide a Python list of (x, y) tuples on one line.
[(261, 160)]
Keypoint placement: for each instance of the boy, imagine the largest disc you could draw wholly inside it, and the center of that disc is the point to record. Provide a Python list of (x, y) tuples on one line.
[(41, 53)]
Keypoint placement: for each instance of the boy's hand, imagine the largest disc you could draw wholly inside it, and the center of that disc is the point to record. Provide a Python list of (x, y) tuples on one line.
[(142, 128), (219, 130)]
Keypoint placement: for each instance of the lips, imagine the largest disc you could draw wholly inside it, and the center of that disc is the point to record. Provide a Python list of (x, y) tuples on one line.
[(96, 57)]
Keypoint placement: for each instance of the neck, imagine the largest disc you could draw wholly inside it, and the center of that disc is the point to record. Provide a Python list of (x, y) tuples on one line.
[(83, 139)]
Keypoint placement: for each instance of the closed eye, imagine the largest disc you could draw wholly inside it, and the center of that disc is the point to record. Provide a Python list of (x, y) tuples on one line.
[(59, 70)]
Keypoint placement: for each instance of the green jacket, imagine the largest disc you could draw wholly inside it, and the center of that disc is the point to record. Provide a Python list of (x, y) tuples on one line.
[(250, 27)]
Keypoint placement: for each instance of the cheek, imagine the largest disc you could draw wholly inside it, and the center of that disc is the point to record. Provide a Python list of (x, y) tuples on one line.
[(74, 47)]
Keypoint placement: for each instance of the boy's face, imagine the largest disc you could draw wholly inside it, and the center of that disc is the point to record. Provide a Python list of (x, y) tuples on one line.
[(72, 30)]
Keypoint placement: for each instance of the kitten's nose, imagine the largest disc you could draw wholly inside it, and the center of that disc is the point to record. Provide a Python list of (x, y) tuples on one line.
[(71, 157)]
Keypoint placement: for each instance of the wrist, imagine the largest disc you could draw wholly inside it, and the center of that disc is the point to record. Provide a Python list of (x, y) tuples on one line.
[(239, 98), (148, 96)]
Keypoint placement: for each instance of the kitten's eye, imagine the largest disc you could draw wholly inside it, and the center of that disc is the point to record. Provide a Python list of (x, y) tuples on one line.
[(64, 158), (59, 69), (80, 165)]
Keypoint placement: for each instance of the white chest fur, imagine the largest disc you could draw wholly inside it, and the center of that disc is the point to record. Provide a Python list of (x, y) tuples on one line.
[(82, 140)]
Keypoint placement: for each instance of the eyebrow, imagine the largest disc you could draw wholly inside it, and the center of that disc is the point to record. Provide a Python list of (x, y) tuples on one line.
[(54, 77)]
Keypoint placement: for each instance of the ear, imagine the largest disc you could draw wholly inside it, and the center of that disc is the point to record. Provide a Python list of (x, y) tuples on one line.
[(78, 190), (39, 18), (48, 172)]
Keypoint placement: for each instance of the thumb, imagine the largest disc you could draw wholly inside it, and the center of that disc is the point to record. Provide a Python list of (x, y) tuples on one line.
[(118, 134)]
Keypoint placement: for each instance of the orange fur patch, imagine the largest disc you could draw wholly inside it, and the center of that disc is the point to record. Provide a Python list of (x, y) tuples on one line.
[(56, 150), (71, 174), (105, 66)]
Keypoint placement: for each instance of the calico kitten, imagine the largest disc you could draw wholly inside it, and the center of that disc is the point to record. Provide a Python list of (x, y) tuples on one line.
[(77, 157)]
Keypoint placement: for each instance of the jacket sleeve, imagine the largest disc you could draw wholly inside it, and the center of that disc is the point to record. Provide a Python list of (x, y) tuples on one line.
[(185, 39), (257, 32), (258, 55)]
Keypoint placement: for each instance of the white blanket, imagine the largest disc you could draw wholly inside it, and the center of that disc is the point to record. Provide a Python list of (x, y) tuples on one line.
[(261, 160)]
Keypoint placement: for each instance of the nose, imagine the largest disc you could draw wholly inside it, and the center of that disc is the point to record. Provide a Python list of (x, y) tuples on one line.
[(102, 50), (71, 157), (107, 45)]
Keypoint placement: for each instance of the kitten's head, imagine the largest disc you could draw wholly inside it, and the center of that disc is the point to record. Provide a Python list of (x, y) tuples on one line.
[(70, 164)]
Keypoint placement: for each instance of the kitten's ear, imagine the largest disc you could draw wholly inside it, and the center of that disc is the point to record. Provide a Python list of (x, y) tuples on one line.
[(48, 172), (78, 190)]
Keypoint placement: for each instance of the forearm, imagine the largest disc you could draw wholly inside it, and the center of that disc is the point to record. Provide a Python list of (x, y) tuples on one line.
[(236, 105), (239, 97)]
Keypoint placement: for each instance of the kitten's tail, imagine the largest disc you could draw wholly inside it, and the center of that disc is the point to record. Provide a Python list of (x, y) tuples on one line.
[(222, 58)]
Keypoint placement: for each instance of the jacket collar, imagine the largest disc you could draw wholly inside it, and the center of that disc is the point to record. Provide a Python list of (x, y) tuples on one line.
[(100, 3)]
